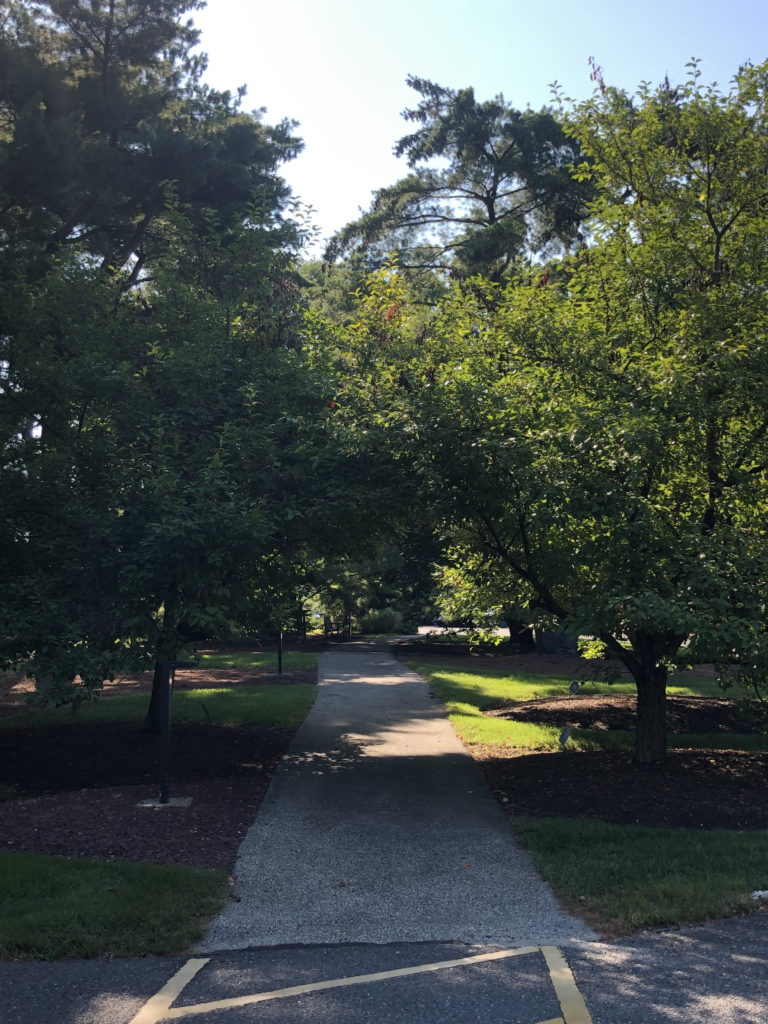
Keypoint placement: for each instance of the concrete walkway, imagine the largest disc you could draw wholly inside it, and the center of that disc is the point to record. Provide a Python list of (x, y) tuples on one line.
[(378, 827)]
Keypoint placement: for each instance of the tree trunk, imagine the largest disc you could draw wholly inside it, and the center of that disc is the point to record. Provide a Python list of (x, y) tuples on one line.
[(651, 729), (521, 634)]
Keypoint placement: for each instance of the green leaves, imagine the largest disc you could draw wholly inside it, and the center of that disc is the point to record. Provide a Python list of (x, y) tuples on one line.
[(489, 183), (593, 436), (158, 421)]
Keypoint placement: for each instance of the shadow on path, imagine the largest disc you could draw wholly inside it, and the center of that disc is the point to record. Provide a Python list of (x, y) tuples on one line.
[(379, 827)]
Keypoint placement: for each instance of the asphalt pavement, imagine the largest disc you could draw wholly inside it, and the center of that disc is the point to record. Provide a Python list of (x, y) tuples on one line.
[(713, 974)]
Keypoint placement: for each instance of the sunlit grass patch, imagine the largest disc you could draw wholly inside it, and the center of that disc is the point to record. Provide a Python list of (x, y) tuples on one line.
[(473, 727), (467, 695), (262, 661), (487, 687), (268, 705), (236, 705)]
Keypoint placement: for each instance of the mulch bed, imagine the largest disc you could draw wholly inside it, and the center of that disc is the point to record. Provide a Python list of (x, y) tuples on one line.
[(107, 824), (684, 714), (85, 781), (705, 789), (695, 789), (73, 790)]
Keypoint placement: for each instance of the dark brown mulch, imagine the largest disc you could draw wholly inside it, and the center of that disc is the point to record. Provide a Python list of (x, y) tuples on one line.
[(684, 714), (61, 758), (694, 789), (73, 789), (107, 824), (85, 779)]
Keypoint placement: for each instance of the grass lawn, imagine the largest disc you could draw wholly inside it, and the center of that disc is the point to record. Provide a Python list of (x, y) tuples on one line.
[(260, 660), (54, 907), (468, 694), (268, 705), (627, 877), (620, 877)]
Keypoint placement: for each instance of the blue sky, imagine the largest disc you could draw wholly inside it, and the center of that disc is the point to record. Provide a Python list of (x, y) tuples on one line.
[(339, 66)]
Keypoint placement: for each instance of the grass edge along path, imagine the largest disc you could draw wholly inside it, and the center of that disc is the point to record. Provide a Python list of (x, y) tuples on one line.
[(623, 878), (62, 907), (620, 878), (55, 907), (258, 660), (468, 694)]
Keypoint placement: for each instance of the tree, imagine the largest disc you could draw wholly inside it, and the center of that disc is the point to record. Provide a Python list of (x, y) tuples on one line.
[(160, 422), (488, 183), (598, 436), (106, 120), (162, 474)]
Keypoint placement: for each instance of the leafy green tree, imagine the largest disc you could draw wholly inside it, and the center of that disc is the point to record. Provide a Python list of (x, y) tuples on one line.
[(487, 184), (600, 437), (106, 120), (161, 425), (393, 570), (473, 588)]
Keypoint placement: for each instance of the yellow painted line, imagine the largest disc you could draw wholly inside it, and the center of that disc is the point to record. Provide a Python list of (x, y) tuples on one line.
[(555, 1020), (158, 1006), (571, 1000), (323, 986)]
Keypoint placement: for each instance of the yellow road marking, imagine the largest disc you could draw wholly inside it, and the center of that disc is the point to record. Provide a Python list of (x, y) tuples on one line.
[(358, 979), (571, 1000), (158, 1006), (322, 986)]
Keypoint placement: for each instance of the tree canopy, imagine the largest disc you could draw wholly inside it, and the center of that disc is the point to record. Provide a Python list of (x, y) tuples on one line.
[(578, 437), (595, 437), (487, 184), (106, 121), (161, 425)]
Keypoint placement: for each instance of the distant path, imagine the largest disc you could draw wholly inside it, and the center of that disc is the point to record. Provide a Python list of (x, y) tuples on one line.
[(378, 827)]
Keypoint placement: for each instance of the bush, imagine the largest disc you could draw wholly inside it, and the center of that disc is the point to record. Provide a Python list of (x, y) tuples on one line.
[(383, 620)]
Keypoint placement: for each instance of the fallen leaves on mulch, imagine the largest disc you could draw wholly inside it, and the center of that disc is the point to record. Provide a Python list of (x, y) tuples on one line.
[(694, 789)]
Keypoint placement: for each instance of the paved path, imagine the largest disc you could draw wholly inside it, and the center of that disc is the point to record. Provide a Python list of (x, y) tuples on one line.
[(379, 828)]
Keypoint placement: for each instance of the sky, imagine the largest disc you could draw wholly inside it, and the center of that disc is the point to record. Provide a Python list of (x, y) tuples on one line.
[(338, 67)]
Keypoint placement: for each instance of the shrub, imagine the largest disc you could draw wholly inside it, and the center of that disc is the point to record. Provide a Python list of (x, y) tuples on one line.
[(382, 620)]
